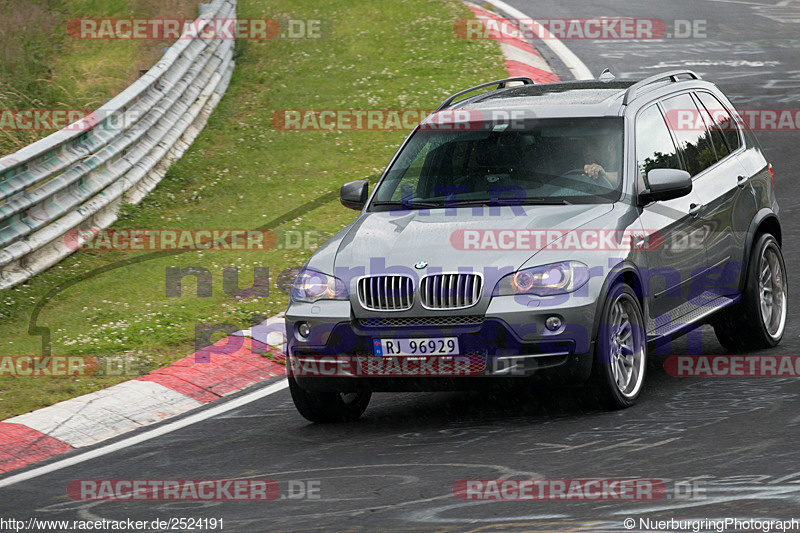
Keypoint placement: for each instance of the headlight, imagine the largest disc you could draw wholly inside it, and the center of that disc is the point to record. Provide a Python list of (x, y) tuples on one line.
[(545, 280), (311, 286)]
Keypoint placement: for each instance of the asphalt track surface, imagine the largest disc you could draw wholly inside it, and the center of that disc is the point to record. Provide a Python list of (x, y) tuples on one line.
[(724, 448)]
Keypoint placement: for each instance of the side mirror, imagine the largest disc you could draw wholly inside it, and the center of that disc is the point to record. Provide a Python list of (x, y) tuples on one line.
[(353, 194), (666, 184)]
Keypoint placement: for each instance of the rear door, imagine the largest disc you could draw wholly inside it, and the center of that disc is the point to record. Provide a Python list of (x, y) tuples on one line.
[(730, 187)]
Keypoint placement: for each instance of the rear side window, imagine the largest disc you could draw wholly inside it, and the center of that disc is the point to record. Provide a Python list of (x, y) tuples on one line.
[(654, 146), (692, 136), (720, 144), (721, 119)]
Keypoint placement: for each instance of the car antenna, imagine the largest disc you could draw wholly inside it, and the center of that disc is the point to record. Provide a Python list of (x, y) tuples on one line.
[(606, 76)]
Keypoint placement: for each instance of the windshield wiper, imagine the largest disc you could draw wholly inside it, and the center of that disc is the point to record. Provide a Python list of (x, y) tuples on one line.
[(511, 201), (408, 205)]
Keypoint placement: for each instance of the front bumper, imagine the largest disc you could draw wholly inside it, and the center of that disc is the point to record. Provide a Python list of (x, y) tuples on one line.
[(500, 345)]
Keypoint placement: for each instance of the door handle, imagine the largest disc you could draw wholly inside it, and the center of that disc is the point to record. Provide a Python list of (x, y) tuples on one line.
[(694, 209), (741, 181)]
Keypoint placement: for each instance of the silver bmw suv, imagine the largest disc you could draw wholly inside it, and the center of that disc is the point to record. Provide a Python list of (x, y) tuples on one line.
[(548, 232)]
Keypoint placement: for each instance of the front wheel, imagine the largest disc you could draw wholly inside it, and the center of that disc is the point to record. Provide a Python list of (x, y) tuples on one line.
[(329, 406), (620, 357), (759, 319)]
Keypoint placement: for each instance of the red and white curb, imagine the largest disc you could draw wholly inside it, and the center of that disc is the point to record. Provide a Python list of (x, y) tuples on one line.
[(576, 67), (232, 364), (522, 59)]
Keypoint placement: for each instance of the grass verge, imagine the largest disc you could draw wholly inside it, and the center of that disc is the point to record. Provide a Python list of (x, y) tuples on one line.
[(41, 67)]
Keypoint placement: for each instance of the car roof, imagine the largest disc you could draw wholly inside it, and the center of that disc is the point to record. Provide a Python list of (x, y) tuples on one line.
[(560, 99), (570, 92), (584, 98)]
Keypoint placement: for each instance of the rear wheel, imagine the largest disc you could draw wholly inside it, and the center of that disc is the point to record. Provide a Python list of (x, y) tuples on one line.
[(620, 358), (759, 319), (328, 406)]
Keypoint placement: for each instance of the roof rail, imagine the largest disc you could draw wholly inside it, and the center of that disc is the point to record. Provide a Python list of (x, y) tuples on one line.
[(672, 75), (501, 84)]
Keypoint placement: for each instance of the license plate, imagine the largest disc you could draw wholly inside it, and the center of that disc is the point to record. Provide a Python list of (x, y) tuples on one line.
[(419, 346)]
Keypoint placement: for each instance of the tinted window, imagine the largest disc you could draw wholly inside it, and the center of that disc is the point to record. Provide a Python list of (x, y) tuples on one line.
[(693, 137), (654, 146), (720, 144), (721, 119)]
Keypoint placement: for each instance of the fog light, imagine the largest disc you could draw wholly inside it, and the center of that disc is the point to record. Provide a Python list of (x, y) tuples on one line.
[(304, 329), (553, 323)]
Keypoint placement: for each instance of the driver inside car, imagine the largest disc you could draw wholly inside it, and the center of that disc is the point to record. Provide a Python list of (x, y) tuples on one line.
[(602, 159)]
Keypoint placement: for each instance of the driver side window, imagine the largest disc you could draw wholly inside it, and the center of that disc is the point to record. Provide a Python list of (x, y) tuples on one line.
[(654, 145)]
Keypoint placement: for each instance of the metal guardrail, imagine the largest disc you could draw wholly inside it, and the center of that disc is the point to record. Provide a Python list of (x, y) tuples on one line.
[(78, 177)]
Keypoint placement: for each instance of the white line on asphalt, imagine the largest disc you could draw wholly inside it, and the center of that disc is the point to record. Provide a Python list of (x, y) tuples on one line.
[(575, 65), (168, 427)]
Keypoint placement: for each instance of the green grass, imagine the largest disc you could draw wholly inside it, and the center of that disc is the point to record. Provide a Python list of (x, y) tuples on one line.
[(41, 67), (243, 173)]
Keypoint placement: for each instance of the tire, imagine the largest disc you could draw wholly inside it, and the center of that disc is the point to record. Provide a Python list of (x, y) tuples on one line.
[(326, 407), (759, 319), (620, 358)]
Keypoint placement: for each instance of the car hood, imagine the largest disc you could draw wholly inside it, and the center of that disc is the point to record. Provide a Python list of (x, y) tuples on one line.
[(396, 241)]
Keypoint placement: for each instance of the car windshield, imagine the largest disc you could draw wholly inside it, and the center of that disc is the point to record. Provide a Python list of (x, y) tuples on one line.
[(568, 160)]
